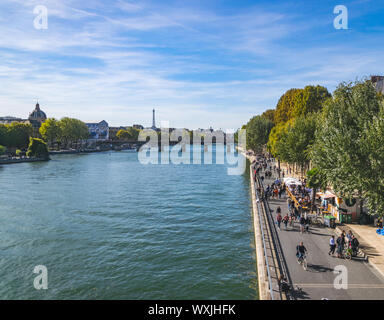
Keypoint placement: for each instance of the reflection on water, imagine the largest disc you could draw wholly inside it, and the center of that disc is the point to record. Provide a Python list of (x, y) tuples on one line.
[(108, 227)]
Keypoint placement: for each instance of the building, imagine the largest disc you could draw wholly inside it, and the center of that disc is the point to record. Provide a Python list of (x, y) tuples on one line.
[(378, 82), (98, 130), (37, 117), (138, 127), (9, 120)]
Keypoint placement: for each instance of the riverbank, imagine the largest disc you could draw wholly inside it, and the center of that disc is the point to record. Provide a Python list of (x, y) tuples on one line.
[(21, 160)]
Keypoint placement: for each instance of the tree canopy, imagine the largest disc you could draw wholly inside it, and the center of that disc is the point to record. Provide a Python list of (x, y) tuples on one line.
[(258, 129), (347, 147)]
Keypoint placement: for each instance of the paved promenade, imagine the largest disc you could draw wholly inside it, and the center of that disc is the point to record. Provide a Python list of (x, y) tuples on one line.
[(364, 281)]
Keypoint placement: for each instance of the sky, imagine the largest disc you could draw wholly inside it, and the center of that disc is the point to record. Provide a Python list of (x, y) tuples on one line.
[(199, 63)]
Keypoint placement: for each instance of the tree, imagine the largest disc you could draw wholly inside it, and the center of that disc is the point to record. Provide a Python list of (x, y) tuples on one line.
[(309, 100), (2, 150), (316, 180), (18, 135), (347, 145), (37, 149), (50, 130), (285, 106), (3, 134), (299, 102), (275, 143), (298, 139), (123, 135), (258, 129), (72, 130), (269, 115)]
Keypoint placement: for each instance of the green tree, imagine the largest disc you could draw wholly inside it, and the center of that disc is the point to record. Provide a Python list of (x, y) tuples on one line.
[(269, 114), (18, 135), (347, 147), (258, 129), (72, 130), (3, 134), (50, 130), (37, 148), (2, 150), (298, 140)]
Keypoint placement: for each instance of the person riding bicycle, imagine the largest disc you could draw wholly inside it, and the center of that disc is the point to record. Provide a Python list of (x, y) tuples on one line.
[(300, 250)]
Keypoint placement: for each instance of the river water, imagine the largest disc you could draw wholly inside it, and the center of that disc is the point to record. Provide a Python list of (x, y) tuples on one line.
[(107, 227)]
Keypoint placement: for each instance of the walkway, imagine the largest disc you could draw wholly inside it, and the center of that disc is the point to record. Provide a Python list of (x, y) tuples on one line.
[(364, 282)]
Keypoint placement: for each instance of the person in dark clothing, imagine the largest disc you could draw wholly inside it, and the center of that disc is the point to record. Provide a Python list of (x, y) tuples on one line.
[(340, 245), (300, 250), (332, 245), (302, 224), (354, 245)]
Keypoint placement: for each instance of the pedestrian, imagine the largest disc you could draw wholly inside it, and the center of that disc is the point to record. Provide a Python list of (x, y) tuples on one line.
[(354, 245), (302, 223), (332, 245), (340, 246), (278, 220), (285, 220), (349, 236), (307, 223)]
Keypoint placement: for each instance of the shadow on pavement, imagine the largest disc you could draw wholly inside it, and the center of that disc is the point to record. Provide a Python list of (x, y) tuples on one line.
[(298, 293), (318, 268)]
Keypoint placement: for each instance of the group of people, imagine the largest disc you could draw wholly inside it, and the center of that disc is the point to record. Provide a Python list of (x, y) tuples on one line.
[(343, 241)]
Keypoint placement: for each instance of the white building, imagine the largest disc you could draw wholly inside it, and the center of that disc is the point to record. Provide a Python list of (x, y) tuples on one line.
[(98, 130)]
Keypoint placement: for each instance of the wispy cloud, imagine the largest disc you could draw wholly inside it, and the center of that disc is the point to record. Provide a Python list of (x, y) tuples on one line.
[(197, 64)]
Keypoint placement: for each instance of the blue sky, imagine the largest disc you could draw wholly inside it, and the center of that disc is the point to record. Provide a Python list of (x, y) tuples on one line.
[(199, 63)]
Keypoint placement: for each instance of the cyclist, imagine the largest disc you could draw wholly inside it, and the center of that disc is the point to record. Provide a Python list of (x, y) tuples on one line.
[(300, 251)]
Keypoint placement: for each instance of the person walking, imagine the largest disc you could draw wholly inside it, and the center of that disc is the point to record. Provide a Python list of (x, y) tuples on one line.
[(340, 245), (307, 223), (332, 245), (302, 224), (278, 220), (285, 220)]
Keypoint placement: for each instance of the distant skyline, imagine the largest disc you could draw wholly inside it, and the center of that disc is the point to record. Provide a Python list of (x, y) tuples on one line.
[(197, 63)]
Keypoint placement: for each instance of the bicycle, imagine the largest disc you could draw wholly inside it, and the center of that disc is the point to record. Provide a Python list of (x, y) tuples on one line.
[(302, 260)]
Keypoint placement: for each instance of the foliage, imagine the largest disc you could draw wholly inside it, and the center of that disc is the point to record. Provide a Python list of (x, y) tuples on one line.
[(285, 105), (72, 130), (316, 179), (2, 150), (297, 140), (269, 115), (258, 129), (275, 144), (349, 144), (129, 134), (50, 130), (37, 148), (299, 102), (18, 134)]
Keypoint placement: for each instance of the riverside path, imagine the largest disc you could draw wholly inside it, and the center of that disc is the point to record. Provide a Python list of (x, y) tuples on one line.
[(364, 282)]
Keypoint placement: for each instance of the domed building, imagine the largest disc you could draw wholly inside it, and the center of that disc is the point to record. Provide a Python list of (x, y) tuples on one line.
[(37, 117)]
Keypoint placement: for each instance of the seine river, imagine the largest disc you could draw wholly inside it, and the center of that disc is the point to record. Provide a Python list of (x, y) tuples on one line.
[(108, 227)]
